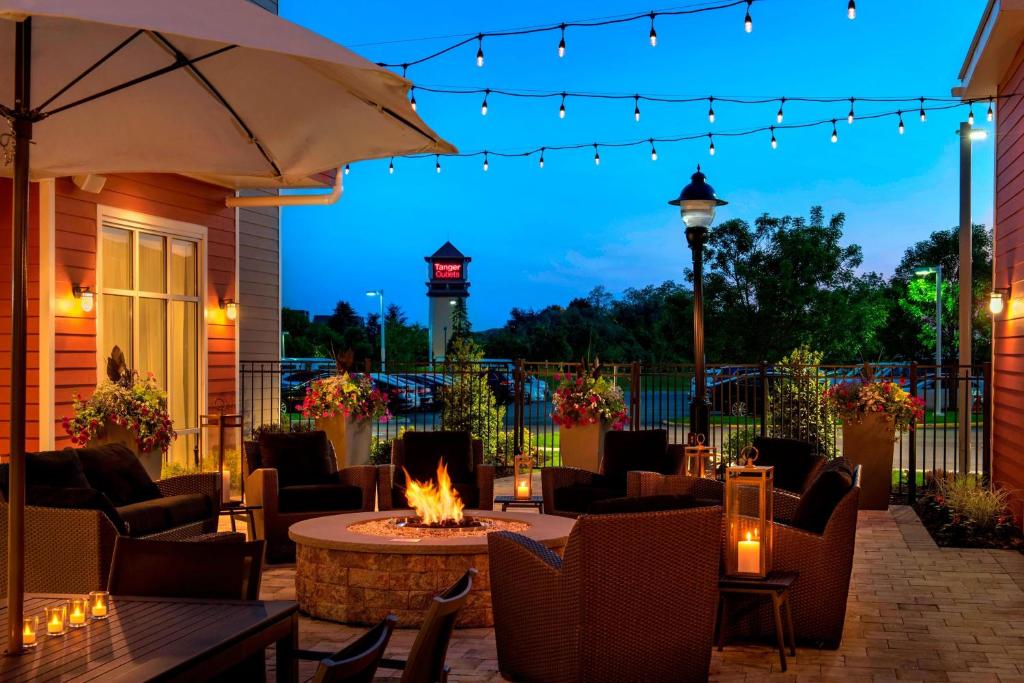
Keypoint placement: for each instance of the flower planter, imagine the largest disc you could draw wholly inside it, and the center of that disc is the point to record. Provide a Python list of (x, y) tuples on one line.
[(350, 438), (152, 461), (583, 445), (868, 443)]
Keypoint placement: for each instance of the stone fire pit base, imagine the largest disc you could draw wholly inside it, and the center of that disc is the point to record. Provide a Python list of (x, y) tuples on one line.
[(357, 578)]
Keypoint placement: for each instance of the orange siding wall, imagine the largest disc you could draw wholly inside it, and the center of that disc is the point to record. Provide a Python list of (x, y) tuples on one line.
[(1008, 270)]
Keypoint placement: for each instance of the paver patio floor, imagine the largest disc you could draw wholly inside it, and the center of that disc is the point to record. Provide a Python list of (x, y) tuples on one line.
[(916, 613)]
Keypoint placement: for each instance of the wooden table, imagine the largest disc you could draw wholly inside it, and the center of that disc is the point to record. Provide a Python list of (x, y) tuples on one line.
[(158, 639), (507, 502), (774, 586)]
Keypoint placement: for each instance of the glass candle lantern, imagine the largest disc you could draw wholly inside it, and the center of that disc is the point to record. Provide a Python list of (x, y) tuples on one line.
[(78, 610), (56, 619), (99, 604), (697, 457), (30, 631), (748, 518), (523, 470), (222, 440)]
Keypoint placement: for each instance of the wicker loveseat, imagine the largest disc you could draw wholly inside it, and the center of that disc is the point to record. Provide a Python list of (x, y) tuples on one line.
[(626, 603), (70, 529), (419, 453)]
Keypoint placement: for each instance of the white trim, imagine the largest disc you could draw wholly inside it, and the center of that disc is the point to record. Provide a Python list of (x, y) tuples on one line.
[(47, 307)]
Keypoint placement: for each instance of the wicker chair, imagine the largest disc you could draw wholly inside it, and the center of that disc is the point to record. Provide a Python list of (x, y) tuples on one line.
[(419, 453), (69, 551), (796, 463), (357, 662), (626, 603)]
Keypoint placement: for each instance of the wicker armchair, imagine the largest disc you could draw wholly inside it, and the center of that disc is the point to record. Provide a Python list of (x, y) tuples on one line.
[(470, 476), (624, 604), (69, 550)]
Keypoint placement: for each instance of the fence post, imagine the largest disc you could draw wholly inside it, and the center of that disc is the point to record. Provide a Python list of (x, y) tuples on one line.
[(912, 449), (986, 421), (634, 395), (764, 398)]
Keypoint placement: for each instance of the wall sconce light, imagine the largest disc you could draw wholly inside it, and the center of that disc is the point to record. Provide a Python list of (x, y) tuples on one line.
[(84, 295), (230, 308), (997, 300)]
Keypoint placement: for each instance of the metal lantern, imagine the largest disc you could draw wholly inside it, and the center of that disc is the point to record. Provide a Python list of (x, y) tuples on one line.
[(221, 434), (697, 456), (523, 475), (748, 518)]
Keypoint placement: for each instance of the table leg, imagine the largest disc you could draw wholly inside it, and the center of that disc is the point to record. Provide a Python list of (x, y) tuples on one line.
[(251, 526), (789, 624), (722, 611), (287, 662), (504, 507), (780, 634)]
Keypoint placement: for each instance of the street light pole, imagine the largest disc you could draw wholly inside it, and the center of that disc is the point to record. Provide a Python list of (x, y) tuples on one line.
[(383, 346), (937, 403)]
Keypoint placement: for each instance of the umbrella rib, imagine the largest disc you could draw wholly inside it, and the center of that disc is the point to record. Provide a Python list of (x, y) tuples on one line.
[(124, 43), (135, 81), (212, 90)]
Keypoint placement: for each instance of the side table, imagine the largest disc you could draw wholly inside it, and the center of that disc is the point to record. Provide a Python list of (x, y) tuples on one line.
[(774, 586), (236, 508), (507, 502)]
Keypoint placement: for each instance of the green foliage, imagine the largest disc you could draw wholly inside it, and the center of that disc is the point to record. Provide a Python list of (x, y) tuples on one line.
[(965, 496), (797, 402), (736, 440), (344, 330), (468, 404), (380, 449)]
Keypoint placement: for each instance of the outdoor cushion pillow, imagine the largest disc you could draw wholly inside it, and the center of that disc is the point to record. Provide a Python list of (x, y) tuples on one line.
[(55, 468), (116, 471), (579, 497), (629, 504), (187, 508), (299, 458), (319, 498), (793, 460), (645, 450), (77, 498), (422, 450), (820, 499), (146, 517)]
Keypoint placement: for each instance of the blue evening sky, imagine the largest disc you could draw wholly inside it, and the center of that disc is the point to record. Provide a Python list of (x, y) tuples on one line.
[(543, 236)]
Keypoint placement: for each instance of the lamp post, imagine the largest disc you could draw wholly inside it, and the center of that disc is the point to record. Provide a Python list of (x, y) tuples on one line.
[(697, 205), (938, 405), (383, 353), (967, 134)]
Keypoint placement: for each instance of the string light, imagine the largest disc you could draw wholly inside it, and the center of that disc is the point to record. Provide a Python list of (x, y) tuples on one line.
[(778, 117), (483, 107), (970, 115), (541, 162), (561, 108), (748, 23), (346, 169), (437, 163), (988, 116), (654, 34), (849, 117), (561, 43), (775, 143), (711, 149), (654, 152), (902, 128), (486, 164), (851, 10), (636, 108), (711, 110), (412, 97), (391, 166), (835, 133), (480, 50), (597, 156)]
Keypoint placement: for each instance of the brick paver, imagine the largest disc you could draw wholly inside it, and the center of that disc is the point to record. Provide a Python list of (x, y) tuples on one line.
[(916, 613)]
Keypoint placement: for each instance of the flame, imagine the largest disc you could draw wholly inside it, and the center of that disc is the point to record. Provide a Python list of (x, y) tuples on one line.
[(434, 503)]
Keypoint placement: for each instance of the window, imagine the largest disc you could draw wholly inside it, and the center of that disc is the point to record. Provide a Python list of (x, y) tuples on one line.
[(149, 305)]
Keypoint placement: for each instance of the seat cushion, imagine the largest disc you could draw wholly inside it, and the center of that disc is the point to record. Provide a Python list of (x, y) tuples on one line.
[(116, 471), (422, 450), (145, 518), (60, 469), (187, 508), (319, 498), (74, 499), (628, 504), (579, 497), (645, 450), (468, 493), (299, 458), (820, 499), (793, 460)]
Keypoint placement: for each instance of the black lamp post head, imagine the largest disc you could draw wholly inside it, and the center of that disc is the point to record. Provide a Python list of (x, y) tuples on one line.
[(699, 190)]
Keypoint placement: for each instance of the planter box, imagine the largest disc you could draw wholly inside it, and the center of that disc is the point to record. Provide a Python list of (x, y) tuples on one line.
[(152, 461), (868, 443), (350, 438), (582, 446)]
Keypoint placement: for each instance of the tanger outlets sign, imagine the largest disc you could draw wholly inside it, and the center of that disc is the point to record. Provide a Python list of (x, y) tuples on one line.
[(447, 270)]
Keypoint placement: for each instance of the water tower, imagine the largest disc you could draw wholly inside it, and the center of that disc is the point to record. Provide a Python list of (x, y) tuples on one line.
[(447, 282)]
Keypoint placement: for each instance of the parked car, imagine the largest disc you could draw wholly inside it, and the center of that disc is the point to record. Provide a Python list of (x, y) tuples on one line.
[(405, 395)]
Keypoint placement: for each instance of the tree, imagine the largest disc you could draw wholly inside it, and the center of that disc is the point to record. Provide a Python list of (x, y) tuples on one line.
[(461, 327), (407, 344), (797, 404), (468, 404)]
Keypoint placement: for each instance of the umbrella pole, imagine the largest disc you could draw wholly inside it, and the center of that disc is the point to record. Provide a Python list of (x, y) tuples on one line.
[(19, 293)]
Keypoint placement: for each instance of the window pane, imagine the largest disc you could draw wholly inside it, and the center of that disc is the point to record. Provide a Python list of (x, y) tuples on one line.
[(184, 387), (117, 258), (183, 268), (182, 451), (152, 263), (117, 325), (153, 339)]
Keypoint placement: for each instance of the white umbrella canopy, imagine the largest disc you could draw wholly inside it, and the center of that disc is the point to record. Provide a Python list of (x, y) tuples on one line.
[(307, 104)]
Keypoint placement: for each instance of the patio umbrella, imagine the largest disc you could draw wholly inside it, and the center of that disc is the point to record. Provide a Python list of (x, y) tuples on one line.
[(220, 90)]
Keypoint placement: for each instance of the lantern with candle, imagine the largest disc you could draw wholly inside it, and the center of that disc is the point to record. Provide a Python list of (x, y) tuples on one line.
[(523, 471), (222, 448), (748, 518), (698, 455), (99, 604)]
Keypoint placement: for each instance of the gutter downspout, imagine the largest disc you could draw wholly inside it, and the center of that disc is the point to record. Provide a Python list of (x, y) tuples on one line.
[(295, 199)]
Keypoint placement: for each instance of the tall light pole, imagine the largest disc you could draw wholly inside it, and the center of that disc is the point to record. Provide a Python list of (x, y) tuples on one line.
[(383, 352), (697, 205), (967, 135), (938, 405)]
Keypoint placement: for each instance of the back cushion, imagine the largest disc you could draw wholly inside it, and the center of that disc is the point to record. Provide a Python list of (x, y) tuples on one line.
[(59, 469), (116, 471), (616, 506), (793, 461), (299, 458), (820, 499), (422, 450), (645, 450), (75, 499)]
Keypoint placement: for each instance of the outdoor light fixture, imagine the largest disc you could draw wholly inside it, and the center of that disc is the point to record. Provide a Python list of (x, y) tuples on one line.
[(711, 110), (84, 295), (851, 10), (561, 43), (523, 476), (452, 302), (775, 143), (561, 108), (979, 134), (483, 107), (480, 51), (412, 98), (653, 35), (486, 164), (748, 518), (230, 308), (778, 117), (997, 300), (636, 108), (748, 23), (926, 271), (383, 337), (849, 117)]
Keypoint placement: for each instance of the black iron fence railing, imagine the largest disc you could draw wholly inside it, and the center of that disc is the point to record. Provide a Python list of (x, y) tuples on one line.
[(508, 405)]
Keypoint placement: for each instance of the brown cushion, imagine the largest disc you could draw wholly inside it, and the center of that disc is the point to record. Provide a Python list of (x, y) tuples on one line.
[(820, 499), (187, 509), (793, 460), (116, 471), (145, 518), (645, 450), (74, 499), (319, 498), (422, 450), (55, 468), (299, 458), (628, 504), (579, 497)]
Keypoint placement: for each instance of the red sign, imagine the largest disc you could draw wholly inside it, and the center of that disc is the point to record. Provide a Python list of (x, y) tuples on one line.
[(447, 270)]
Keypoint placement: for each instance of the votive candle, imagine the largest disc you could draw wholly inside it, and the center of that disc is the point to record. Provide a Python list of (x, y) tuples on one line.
[(523, 489), (77, 612), (99, 602), (56, 618), (29, 631), (748, 558)]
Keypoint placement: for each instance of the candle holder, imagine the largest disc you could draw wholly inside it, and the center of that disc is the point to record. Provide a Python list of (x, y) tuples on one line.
[(697, 455), (78, 612), (30, 632), (56, 619), (748, 517), (523, 476), (99, 604)]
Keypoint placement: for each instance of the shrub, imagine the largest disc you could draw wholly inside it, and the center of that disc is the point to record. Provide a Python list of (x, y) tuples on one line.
[(798, 403), (736, 441), (468, 404), (966, 497)]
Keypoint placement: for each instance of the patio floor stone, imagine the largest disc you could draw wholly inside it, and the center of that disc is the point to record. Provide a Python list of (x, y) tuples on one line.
[(916, 612)]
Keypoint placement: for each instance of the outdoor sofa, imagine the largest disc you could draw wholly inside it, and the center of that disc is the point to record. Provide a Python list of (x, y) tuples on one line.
[(79, 501)]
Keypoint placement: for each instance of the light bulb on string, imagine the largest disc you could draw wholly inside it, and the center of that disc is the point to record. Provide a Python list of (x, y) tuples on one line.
[(437, 164), (711, 147), (483, 106), (561, 108), (989, 114), (775, 143), (970, 115), (835, 133), (778, 117), (540, 163), (711, 110), (391, 166), (748, 23), (654, 152), (486, 164), (851, 10), (654, 34), (924, 116), (902, 128), (561, 43), (347, 169), (412, 98), (597, 156), (636, 108), (849, 117), (480, 50)]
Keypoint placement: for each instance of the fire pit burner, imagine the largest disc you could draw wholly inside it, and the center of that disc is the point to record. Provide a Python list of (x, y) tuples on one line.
[(417, 523)]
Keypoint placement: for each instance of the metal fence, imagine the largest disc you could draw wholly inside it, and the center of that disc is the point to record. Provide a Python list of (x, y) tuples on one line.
[(747, 400)]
